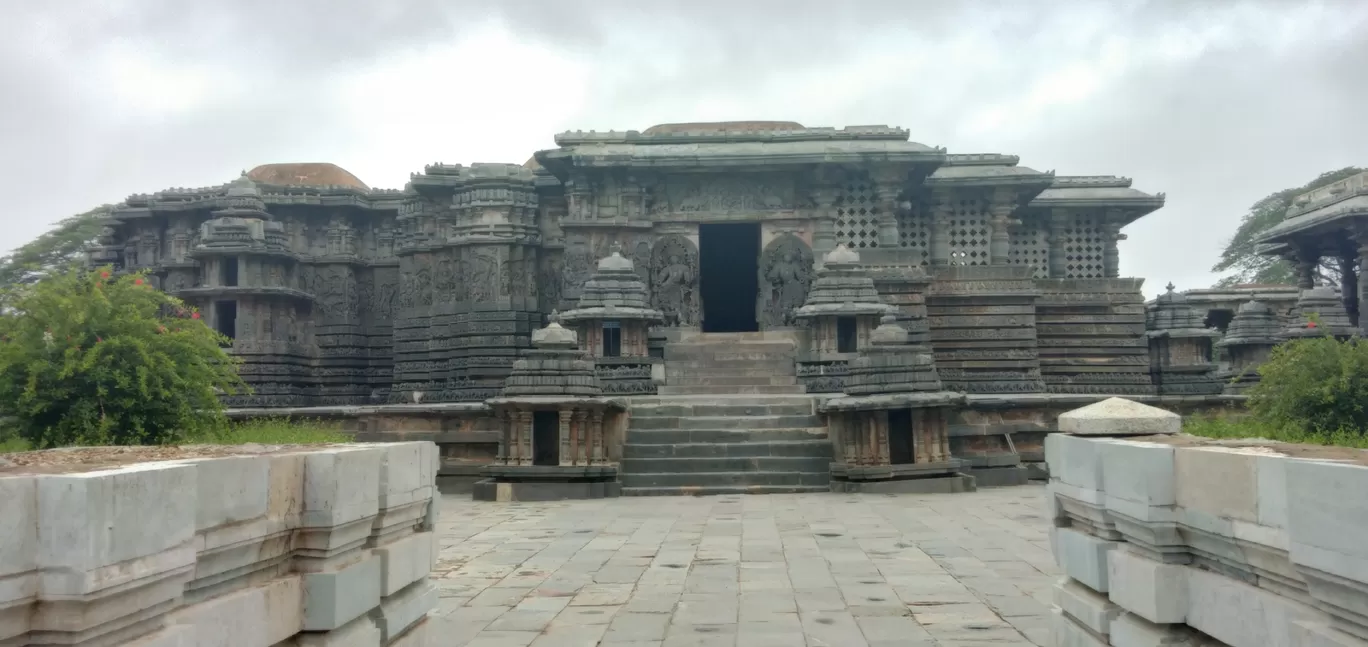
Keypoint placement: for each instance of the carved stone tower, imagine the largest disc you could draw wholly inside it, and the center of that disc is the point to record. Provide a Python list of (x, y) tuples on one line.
[(1181, 348), (613, 318), (842, 309)]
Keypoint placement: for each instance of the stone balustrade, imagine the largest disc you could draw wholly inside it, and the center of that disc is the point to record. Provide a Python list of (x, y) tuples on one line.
[(239, 547), (1176, 540)]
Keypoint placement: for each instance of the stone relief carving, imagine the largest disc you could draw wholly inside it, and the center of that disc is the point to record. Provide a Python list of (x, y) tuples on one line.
[(579, 264), (674, 280), (641, 260), (482, 274), (785, 275), (552, 273), (723, 193)]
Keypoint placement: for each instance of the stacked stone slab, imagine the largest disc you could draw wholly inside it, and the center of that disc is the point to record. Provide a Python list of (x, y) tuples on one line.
[(329, 546), (842, 289), (1180, 344), (615, 294), (1090, 336), (553, 443), (1179, 541), (983, 329), (1249, 339), (890, 432), (1320, 312)]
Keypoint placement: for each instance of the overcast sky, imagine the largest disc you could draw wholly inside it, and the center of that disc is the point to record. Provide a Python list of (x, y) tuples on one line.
[(1215, 103)]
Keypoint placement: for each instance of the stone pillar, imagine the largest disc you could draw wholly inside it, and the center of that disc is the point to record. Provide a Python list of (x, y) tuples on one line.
[(567, 450), (942, 214), (1362, 283), (824, 220), (887, 186), (881, 437), (1307, 259), (1111, 235), (1000, 219), (524, 437), (1059, 258), (579, 440), (1349, 290), (850, 429), (596, 437), (505, 438)]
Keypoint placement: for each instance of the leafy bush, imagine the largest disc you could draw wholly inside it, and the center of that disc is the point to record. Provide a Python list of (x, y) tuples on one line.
[(1317, 385), (92, 360)]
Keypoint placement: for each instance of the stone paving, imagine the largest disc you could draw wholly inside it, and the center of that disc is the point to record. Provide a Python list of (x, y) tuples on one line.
[(830, 570)]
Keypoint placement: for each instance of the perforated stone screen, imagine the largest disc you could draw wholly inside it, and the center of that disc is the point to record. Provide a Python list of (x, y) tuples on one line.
[(969, 232), (1028, 245), (1084, 246), (914, 231), (857, 214)]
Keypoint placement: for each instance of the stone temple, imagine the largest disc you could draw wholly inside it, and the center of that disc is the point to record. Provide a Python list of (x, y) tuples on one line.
[(701, 251)]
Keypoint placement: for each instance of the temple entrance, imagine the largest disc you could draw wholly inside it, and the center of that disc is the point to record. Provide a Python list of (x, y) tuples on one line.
[(729, 260)]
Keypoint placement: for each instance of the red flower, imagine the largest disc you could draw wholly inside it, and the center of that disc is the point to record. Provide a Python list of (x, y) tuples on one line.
[(104, 275), (161, 328), (98, 340), (137, 281), (1310, 324), (194, 315)]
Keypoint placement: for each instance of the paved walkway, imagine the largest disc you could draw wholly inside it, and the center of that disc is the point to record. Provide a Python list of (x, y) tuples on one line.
[(831, 570)]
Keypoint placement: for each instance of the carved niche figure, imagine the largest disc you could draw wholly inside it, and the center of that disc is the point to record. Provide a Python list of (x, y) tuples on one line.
[(552, 274), (423, 289), (406, 285), (482, 276), (365, 294), (785, 275), (384, 300), (579, 264), (641, 260), (674, 280)]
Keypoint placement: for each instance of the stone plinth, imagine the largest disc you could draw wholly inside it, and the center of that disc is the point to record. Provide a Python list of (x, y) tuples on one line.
[(1179, 540), (250, 547)]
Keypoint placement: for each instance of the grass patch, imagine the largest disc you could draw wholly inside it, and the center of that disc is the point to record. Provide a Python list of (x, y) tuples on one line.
[(1233, 427), (262, 431)]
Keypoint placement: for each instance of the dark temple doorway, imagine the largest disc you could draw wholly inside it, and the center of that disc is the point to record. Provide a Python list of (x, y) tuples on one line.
[(729, 256)]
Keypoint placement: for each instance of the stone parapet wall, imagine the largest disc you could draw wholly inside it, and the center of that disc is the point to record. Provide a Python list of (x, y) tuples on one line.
[(1173, 540), (221, 546)]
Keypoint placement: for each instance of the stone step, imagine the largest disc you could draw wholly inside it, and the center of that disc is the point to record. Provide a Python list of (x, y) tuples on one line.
[(731, 380), (749, 448), (724, 479), (714, 464), (706, 390), (738, 436), (735, 369), (802, 407), (724, 490), (736, 423), (722, 337)]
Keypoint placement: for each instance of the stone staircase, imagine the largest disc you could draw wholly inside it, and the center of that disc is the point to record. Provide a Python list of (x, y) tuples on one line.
[(725, 444), (731, 363)]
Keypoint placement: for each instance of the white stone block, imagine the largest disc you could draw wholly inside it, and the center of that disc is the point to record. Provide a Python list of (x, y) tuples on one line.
[(18, 545), (259, 616), (231, 490), (1133, 631), (1064, 632), (286, 491), (422, 634), (1242, 615), (360, 632), (1221, 482), (1138, 477), (341, 485), (1119, 417), (1075, 460), (1327, 515), (172, 636), (1312, 634), (406, 561), (401, 610), (334, 598), (1272, 485), (1086, 606), (1153, 590), (1082, 557), (406, 473), (104, 529)]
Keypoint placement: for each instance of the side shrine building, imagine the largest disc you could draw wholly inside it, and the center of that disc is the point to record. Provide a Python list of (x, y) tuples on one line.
[(687, 255)]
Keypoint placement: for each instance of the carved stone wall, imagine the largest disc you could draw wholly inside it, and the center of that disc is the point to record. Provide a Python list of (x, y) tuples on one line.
[(983, 329), (674, 280), (785, 276), (857, 212), (1090, 335), (969, 232), (1030, 247), (1085, 246)]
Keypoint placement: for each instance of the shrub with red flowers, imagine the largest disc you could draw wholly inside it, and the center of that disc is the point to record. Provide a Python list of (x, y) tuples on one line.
[(1316, 385), (90, 358)]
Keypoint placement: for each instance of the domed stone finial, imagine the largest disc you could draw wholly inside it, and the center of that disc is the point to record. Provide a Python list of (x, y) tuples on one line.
[(842, 255), (616, 262), (243, 186), (889, 333), (553, 336), (1169, 287)]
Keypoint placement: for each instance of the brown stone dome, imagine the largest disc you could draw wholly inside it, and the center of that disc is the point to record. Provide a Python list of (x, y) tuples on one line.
[(305, 174), (722, 126)]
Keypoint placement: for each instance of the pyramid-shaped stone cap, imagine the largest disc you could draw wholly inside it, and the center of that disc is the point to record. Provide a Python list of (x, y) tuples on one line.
[(1323, 302), (554, 336), (1255, 323), (615, 291), (1174, 317), (1120, 417), (842, 288)]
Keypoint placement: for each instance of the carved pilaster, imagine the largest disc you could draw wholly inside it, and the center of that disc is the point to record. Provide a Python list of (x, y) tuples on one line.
[(1000, 219), (505, 438), (886, 189), (824, 219), (567, 450), (1349, 280), (578, 438), (881, 437), (943, 210), (596, 437), (1059, 261), (1306, 258), (524, 438), (1111, 235)]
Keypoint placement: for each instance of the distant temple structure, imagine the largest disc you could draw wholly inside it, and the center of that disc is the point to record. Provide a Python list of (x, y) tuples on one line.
[(334, 293)]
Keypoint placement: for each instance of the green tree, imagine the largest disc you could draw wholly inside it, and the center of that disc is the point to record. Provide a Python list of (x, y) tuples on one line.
[(86, 358), (56, 250), (1317, 385), (1239, 254)]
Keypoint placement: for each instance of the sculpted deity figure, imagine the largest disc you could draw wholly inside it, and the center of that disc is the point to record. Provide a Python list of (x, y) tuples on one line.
[(673, 280), (788, 272)]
